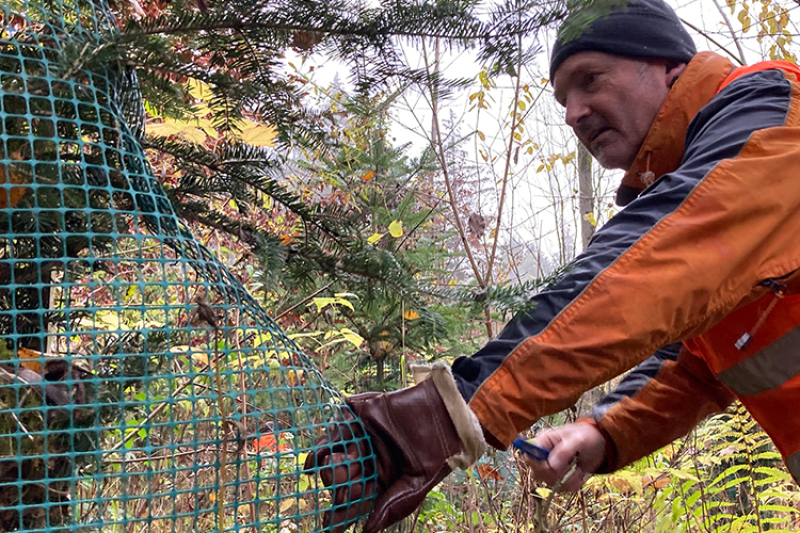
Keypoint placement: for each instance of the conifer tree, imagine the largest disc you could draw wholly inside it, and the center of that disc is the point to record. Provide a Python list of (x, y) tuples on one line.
[(236, 51), (236, 48)]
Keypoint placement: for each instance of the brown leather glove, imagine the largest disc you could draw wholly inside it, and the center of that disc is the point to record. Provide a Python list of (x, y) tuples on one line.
[(418, 436)]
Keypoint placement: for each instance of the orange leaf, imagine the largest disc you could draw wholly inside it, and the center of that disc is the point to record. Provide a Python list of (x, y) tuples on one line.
[(294, 377), (410, 315), (368, 176), (25, 353), (265, 442), (286, 240), (270, 444), (14, 194), (486, 471)]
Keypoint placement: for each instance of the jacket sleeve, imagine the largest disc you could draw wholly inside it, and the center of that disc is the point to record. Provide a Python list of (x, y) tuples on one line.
[(666, 408), (669, 266), (636, 379)]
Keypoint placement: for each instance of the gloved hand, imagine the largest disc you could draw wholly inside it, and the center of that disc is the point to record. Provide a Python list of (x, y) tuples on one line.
[(418, 436)]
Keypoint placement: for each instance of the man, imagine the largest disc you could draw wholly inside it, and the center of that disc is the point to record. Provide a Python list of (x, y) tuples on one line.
[(704, 253)]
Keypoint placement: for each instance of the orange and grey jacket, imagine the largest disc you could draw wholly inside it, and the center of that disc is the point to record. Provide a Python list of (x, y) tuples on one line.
[(704, 252)]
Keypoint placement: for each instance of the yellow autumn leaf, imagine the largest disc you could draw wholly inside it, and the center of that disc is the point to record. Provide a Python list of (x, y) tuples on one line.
[(286, 505), (202, 109), (351, 336), (203, 359), (194, 135), (375, 237), (207, 126), (410, 315), (293, 377), (396, 229), (183, 348), (258, 135), (274, 366), (543, 492), (186, 129), (150, 109), (745, 20), (590, 218), (322, 303), (199, 90), (105, 320), (164, 129), (301, 460)]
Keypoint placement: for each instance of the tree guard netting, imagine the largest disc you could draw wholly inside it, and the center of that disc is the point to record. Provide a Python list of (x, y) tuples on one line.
[(137, 376)]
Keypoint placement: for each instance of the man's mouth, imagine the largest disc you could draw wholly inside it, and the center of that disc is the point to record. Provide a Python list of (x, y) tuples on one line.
[(597, 134)]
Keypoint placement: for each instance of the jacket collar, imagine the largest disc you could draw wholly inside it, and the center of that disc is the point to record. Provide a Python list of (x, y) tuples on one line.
[(663, 147)]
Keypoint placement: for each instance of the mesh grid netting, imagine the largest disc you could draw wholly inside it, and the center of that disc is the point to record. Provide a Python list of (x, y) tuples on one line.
[(120, 408)]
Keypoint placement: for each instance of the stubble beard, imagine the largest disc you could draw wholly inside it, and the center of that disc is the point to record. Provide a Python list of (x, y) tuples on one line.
[(599, 154)]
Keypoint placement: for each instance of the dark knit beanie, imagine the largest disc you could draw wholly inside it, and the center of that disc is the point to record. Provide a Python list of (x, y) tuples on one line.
[(633, 28)]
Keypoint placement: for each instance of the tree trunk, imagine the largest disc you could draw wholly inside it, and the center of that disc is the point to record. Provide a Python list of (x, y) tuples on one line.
[(381, 373), (586, 208), (586, 192)]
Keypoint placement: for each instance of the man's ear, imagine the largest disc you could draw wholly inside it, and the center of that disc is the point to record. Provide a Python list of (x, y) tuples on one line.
[(673, 72)]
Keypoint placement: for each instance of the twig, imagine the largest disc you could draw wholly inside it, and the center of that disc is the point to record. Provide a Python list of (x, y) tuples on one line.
[(203, 313), (415, 519), (221, 450), (438, 148), (143, 459), (21, 425), (544, 508), (498, 517), (247, 488), (155, 412), (515, 116), (707, 36), (730, 27), (305, 300)]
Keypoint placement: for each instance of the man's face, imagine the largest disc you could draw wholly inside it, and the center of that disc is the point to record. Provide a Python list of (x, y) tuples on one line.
[(611, 102)]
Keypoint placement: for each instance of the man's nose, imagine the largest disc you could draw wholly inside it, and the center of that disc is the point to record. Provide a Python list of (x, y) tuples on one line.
[(577, 109)]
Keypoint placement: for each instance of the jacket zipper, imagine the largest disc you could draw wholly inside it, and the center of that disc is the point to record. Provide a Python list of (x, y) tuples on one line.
[(779, 290)]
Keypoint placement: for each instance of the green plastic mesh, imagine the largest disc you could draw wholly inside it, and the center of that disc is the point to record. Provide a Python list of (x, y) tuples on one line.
[(121, 408)]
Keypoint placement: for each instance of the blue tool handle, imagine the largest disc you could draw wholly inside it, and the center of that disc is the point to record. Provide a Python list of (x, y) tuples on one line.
[(536, 452)]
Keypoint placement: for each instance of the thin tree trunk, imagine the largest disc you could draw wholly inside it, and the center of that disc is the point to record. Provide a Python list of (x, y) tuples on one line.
[(438, 143), (586, 192), (586, 209)]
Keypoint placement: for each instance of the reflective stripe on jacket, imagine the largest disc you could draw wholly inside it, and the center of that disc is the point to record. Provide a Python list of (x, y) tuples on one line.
[(713, 210)]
